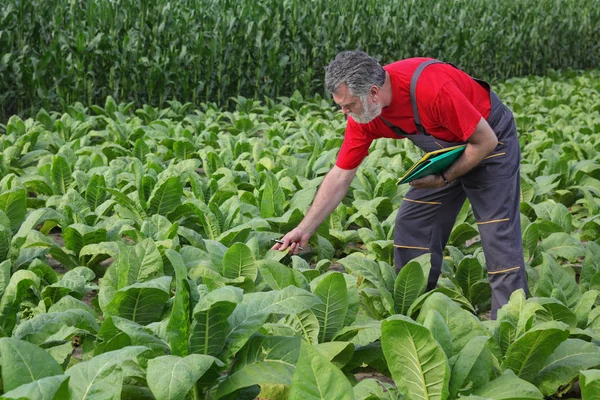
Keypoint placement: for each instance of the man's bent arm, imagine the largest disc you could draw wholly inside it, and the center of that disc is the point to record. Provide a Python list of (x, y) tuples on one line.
[(330, 194), (479, 145)]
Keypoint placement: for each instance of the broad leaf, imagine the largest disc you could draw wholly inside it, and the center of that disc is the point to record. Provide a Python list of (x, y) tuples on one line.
[(264, 360), (317, 378), (468, 272), (409, 285), (332, 291), (23, 363), (102, 376), (48, 388), (509, 387), (473, 366), (14, 204), (208, 332), (238, 261), (590, 384), (47, 328), (117, 333), (417, 362), (528, 354), (172, 377), (463, 325), (563, 245), (94, 194), (166, 196), (178, 328), (61, 174), (569, 358), (141, 302)]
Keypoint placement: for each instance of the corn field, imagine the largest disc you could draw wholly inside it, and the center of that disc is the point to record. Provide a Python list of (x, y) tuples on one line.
[(56, 52)]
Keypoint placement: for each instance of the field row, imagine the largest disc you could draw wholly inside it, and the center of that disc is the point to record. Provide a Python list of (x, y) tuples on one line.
[(142, 236)]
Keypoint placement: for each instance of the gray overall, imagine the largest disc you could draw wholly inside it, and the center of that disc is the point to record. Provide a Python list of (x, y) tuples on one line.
[(426, 217)]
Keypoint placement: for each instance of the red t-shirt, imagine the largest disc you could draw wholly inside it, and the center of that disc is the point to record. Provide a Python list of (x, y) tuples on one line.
[(450, 105)]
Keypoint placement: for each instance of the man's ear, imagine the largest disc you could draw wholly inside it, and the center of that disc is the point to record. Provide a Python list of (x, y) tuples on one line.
[(374, 92)]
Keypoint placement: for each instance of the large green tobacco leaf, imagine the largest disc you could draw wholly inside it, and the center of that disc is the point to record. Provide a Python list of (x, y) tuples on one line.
[(134, 264), (304, 324), (563, 245), (14, 204), (440, 331), (117, 333), (178, 327), (263, 360), (417, 362), (61, 174), (94, 194), (5, 267), (590, 384), (371, 271), (48, 388), (463, 325), (278, 276), (17, 288), (590, 265), (5, 239), (528, 354), (238, 261), (172, 377), (582, 311), (34, 219), (78, 235), (473, 366), (73, 282), (371, 389), (272, 197), (209, 330), (554, 276), (409, 285), (570, 357), (331, 313), (509, 387), (254, 310), (46, 328), (166, 196), (554, 310), (134, 210), (101, 377), (317, 378), (141, 302), (339, 353), (468, 272), (23, 362)]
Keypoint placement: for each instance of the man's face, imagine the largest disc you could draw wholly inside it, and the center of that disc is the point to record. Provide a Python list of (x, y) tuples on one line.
[(362, 109)]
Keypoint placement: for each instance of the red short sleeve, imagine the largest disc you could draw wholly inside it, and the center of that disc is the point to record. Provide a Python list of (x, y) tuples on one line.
[(355, 146), (455, 112)]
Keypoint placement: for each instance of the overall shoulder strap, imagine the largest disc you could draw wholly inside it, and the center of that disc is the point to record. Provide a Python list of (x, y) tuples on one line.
[(413, 92), (397, 130)]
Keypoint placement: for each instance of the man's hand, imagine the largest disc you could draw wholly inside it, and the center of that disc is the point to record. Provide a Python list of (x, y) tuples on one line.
[(330, 194), (293, 240), (429, 181)]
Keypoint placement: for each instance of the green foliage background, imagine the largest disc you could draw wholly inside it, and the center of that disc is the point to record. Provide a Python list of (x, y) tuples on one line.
[(56, 52)]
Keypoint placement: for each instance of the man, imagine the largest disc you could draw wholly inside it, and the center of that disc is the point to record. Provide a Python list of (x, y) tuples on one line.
[(435, 105)]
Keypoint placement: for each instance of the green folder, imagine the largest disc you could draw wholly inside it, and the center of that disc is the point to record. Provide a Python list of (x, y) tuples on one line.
[(432, 163)]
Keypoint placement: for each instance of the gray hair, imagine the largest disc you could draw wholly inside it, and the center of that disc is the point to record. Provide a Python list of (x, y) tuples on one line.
[(357, 70)]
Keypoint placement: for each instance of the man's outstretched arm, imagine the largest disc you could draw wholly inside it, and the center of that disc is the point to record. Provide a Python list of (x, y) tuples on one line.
[(330, 194)]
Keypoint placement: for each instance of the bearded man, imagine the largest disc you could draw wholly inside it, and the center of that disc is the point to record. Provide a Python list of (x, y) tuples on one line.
[(435, 105)]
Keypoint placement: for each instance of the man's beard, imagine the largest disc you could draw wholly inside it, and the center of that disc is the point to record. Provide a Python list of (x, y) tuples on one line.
[(369, 112)]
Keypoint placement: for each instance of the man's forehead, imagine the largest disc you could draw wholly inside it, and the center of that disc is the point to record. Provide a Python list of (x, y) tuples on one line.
[(342, 94)]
